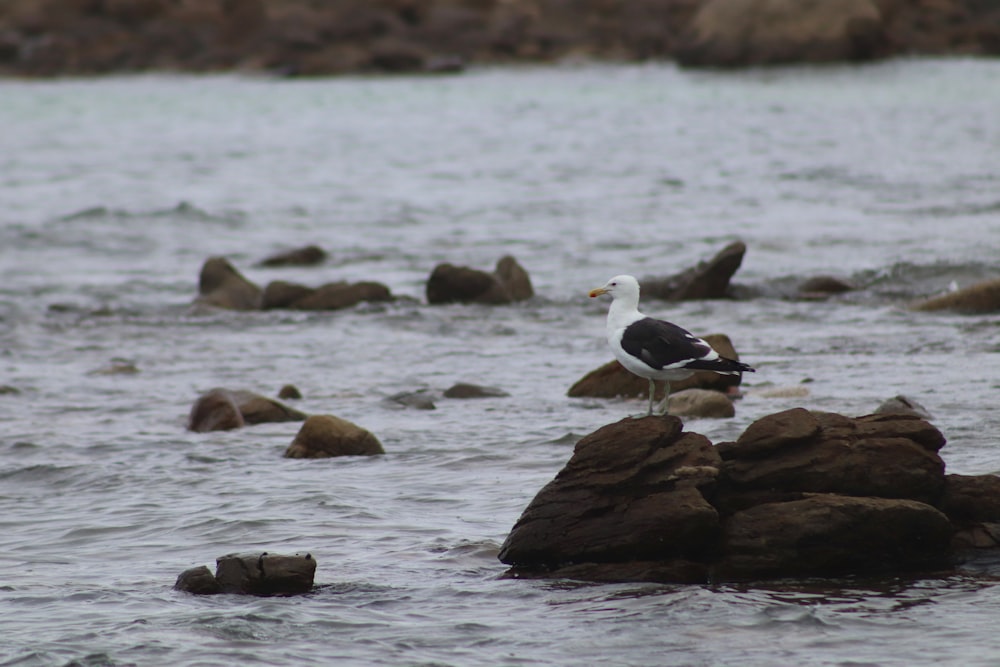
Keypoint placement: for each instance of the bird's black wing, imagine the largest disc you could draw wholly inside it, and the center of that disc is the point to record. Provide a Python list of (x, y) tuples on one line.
[(662, 345)]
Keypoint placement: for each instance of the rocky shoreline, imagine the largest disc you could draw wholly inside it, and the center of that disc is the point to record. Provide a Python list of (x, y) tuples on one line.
[(44, 38)]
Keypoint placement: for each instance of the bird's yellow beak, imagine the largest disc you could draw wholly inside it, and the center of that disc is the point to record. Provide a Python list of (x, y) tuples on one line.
[(597, 292)]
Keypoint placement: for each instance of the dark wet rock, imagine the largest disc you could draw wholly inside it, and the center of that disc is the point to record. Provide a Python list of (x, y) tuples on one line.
[(822, 287), (197, 581), (707, 280), (612, 379), (466, 390), (982, 297), (224, 409), (972, 502), (325, 436), (332, 296), (309, 255), (701, 403), (252, 574), (831, 535), (799, 493), (265, 573), (737, 33), (459, 284), (629, 493), (221, 285), (215, 410), (419, 400), (9, 390), (289, 391), (903, 405), (888, 456)]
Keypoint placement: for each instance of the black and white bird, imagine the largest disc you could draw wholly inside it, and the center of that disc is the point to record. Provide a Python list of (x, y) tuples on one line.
[(654, 349)]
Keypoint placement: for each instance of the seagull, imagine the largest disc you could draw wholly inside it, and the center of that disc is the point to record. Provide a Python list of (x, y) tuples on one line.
[(654, 349)]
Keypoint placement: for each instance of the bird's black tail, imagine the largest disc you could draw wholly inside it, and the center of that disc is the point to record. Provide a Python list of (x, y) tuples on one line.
[(720, 365)]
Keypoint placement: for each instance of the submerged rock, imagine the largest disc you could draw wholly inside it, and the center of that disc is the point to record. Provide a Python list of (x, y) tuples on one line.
[(799, 493), (466, 390), (707, 280), (325, 436), (612, 379), (509, 282), (251, 574)]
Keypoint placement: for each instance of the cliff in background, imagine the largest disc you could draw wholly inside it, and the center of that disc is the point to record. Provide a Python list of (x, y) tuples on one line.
[(322, 37)]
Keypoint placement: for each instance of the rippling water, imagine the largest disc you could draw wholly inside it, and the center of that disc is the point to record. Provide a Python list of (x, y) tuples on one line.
[(114, 192)]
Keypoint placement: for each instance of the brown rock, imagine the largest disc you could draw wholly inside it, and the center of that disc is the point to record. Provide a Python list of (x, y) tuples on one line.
[(223, 409), (612, 379), (828, 535), (257, 409), (215, 410), (728, 33), (223, 286), (629, 493), (197, 581), (707, 280), (324, 436), (982, 297), (971, 498), (265, 574), (283, 294), (309, 255), (701, 403), (459, 284), (819, 287), (289, 391), (334, 296), (889, 456)]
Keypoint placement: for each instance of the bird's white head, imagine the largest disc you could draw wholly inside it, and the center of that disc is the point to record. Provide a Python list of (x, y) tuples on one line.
[(619, 286)]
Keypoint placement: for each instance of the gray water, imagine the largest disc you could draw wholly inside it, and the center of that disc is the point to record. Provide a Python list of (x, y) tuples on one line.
[(114, 191)]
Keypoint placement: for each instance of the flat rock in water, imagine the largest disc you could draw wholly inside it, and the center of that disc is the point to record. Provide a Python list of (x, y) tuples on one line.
[(222, 286), (251, 574), (982, 297), (466, 390), (418, 400), (612, 379), (325, 436)]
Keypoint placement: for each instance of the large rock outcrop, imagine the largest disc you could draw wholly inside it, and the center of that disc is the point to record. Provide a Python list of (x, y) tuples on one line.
[(799, 493)]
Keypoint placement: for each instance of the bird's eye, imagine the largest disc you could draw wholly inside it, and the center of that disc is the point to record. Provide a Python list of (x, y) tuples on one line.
[(614, 284)]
